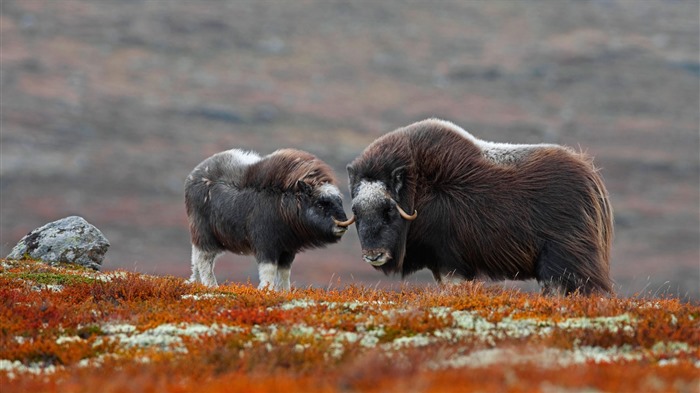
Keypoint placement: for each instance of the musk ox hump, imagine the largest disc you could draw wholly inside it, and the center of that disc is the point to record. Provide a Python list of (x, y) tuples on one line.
[(226, 166), (284, 168), (230, 159), (495, 152)]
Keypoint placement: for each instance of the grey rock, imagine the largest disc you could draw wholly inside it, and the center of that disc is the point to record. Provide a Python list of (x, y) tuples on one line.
[(68, 240)]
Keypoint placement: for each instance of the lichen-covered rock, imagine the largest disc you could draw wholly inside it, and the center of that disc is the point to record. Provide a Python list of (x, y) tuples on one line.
[(68, 240)]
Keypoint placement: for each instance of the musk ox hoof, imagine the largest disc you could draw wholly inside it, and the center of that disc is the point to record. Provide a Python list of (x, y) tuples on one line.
[(69, 240)]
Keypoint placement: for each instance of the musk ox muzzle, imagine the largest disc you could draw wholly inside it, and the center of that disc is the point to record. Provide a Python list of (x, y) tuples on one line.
[(376, 257), (381, 222), (342, 226)]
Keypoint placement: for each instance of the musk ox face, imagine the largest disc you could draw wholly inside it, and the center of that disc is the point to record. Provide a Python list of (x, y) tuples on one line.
[(382, 224), (322, 210)]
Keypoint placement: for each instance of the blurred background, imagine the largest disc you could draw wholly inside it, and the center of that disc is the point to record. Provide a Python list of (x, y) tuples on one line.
[(107, 106)]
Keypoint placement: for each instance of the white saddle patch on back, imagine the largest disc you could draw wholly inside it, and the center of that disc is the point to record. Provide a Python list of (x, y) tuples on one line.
[(507, 153), (498, 153), (237, 157)]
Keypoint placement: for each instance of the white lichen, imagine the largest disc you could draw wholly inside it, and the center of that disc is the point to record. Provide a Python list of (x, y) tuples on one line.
[(14, 368), (204, 296), (67, 339)]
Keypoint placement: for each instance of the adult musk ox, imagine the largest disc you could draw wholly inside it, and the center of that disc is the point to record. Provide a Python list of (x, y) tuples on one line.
[(271, 207), (431, 195)]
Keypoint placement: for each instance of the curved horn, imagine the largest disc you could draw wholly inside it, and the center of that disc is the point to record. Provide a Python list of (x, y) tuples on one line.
[(344, 224), (405, 215)]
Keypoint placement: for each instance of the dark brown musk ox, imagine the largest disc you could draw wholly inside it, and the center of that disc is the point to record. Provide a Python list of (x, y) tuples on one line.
[(271, 207), (431, 195)]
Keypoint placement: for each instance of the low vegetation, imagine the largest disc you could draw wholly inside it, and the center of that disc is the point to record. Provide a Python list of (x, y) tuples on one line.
[(71, 330)]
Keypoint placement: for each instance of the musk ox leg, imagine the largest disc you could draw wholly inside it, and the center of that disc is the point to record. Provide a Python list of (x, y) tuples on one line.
[(560, 272), (284, 268), (553, 271), (448, 278), (203, 266), (282, 282), (551, 288), (267, 272)]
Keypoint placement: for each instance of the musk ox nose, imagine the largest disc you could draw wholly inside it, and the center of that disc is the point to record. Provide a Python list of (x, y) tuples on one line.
[(375, 258)]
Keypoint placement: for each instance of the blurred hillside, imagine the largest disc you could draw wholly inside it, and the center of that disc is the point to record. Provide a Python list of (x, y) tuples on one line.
[(107, 106)]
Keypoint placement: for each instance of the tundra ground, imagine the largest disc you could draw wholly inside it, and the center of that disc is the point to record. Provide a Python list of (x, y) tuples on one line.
[(64, 329)]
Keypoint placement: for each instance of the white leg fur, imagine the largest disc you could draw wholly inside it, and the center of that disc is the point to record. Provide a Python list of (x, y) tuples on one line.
[(195, 265), (267, 272), (195, 273), (282, 283), (203, 267)]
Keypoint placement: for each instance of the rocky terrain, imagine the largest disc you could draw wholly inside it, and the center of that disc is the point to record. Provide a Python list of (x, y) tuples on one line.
[(106, 107)]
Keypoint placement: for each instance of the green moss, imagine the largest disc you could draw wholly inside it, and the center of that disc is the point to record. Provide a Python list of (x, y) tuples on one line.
[(89, 331), (73, 267), (52, 278)]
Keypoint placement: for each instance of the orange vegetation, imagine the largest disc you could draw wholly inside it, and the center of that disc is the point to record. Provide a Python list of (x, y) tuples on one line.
[(66, 329)]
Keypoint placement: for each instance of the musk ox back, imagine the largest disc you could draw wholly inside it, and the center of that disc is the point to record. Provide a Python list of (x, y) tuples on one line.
[(430, 195), (271, 207)]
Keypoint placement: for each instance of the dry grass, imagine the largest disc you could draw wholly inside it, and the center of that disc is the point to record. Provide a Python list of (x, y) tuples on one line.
[(69, 330)]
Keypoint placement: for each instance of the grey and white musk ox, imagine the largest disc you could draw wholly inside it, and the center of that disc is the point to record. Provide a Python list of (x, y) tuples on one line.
[(272, 207), (431, 195)]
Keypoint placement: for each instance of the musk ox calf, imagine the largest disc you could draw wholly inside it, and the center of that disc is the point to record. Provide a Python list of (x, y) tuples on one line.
[(431, 195), (271, 207)]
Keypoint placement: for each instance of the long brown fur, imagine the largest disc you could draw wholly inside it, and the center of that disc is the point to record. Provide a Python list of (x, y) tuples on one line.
[(282, 169), (545, 215)]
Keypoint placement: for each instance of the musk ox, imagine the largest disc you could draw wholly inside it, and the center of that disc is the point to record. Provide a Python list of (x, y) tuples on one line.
[(271, 207), (431, 195)]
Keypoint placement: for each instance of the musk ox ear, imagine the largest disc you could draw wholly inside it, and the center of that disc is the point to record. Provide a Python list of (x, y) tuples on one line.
[(352, 179), (398, 176), (351, 173), (304, 187)]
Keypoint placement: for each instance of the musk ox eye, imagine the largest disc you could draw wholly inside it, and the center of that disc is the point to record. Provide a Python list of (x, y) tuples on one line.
[(323, 204), (386, 213)]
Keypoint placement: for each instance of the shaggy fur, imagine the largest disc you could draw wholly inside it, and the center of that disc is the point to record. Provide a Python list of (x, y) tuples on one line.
[(500, 211), (272, 207)]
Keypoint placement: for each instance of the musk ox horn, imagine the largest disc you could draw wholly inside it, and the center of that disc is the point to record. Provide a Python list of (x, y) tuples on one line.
[(344, 224), (405, 215)]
